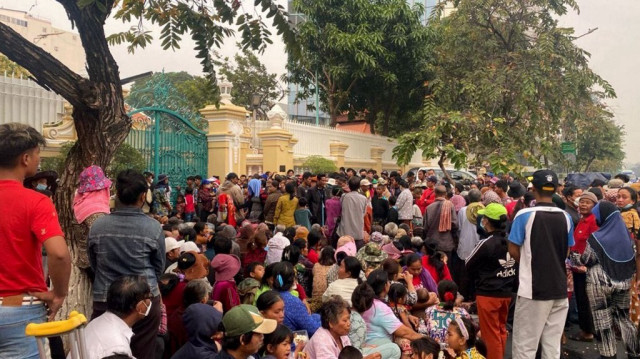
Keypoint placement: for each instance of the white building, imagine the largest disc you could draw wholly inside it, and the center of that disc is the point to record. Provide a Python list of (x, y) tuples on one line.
[(63, 45)]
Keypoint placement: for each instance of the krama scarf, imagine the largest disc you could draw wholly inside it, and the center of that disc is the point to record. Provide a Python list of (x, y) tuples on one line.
[(445, 214)]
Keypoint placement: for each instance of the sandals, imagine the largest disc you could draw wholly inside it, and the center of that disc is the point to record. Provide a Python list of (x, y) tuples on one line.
[(580, 338)]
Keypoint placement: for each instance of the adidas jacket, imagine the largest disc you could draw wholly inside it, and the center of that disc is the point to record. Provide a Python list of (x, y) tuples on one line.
[(492, 268)]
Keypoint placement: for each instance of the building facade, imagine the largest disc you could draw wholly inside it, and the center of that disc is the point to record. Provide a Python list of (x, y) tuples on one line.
[(63, 45)]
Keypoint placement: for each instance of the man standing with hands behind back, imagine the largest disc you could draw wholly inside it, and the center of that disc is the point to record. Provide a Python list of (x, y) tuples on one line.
[(29, 221)]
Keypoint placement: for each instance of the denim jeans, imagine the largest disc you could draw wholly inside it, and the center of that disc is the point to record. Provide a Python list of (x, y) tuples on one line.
[(13, 320)]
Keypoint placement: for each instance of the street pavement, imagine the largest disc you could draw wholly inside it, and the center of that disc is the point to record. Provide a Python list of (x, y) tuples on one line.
[(574, 349)]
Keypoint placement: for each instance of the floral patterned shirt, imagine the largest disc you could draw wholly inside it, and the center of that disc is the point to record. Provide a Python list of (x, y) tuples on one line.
[(437, 321)]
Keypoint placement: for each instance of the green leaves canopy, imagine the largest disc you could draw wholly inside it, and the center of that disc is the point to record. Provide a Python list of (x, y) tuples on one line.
[(249, 76), (319, 164), (361, 53), (506, 80), (207, 22), (126, 157)]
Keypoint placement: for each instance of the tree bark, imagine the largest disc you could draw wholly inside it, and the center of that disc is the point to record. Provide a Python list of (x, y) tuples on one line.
[(443, 156), (99, 117)]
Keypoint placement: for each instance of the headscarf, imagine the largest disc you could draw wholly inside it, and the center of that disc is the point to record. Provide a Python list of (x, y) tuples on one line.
[(458, 202), (201, 321), (225, 266), (472, 212), (612, 243), (490, 197), (349, 248), (392, 251), (344, 240), (88, 203), (302, 232), (376, 237), (255, 185)]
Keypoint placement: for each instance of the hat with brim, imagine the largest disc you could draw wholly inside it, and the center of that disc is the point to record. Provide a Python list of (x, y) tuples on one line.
[(171, 243), (493, 211), (245, 318), (51, 176), (225, 266), (371, 253), (365, 182), (92, 179)]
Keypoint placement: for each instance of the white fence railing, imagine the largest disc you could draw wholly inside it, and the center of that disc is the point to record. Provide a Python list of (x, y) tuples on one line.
[(24, 101)]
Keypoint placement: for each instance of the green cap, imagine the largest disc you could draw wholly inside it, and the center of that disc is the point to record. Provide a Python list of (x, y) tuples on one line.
[(245, 318), (493, 211)]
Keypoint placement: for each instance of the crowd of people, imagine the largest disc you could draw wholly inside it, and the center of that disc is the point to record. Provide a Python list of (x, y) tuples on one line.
[(320, 266)]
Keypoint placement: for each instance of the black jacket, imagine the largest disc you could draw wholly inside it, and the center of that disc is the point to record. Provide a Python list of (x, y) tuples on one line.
[(492, 267), (315, 198)]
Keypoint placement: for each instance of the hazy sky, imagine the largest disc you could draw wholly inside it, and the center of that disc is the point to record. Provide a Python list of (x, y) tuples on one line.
[(614, 48)]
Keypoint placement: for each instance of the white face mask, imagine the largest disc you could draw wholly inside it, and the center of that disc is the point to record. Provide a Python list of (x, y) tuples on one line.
[(146, 313), (576, 202)]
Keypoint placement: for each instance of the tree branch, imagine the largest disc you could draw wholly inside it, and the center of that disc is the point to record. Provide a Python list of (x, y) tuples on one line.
[(101, 66), (47, 71)]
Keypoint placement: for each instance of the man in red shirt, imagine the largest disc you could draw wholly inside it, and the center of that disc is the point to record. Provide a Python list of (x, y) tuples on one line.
[(29, 221), (428, 195)]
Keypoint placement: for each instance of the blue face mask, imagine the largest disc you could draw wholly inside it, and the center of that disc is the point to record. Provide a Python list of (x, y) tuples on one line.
[(41, 187), (482, 227), (628, 206)]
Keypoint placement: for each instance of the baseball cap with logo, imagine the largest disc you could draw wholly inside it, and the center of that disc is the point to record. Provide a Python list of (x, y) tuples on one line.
[(545, 180), (245, 318), (493, 211), (171, 243)]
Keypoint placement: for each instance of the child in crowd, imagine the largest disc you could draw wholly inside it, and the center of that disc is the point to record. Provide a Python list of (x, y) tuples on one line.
[(437, 318), (277, 345), (425, 348), (248, 288), (189, 205), (180, 206), (397, 298), (302, 215), (350, 352), (461, 339)]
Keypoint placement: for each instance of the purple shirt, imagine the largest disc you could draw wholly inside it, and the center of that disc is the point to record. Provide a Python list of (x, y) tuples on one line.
[(333, 208)]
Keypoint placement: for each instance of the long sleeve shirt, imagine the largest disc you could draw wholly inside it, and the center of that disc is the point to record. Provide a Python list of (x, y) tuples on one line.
[(126, 242)]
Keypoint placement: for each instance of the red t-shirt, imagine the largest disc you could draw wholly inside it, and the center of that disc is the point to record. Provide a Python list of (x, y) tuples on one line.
[(434, 272), (585, 227), (28, 220), (190, 206)]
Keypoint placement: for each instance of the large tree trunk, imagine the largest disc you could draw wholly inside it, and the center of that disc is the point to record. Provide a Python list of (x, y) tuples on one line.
[(100, 120)]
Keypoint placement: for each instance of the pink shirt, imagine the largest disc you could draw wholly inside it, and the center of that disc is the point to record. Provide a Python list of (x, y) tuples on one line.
[(323, 346)]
